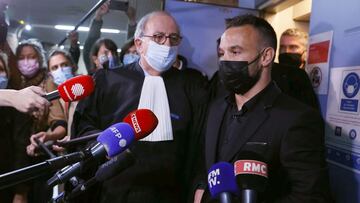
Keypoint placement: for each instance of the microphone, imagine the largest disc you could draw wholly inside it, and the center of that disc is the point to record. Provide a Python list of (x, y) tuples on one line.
[(106, 171), (143, 121), (221, 182), (73, 141), (73, 89), (251, 175), (36, 170), (44, 148), (111, 142)]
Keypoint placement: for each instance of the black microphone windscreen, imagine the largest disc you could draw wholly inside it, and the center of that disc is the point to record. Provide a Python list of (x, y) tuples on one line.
[(115, 165), (251, 171)]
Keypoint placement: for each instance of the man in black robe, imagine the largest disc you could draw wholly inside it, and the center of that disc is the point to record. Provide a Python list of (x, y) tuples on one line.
[(164, 167)]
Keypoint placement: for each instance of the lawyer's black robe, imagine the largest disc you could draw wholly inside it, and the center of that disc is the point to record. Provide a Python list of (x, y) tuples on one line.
[(163, 170)]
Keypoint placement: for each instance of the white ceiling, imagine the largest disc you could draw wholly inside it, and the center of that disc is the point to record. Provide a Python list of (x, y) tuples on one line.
[(48, 13)]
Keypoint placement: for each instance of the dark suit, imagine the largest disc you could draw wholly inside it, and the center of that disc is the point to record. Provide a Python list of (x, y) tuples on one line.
[(162, 169), (294, 82), (294, 134)]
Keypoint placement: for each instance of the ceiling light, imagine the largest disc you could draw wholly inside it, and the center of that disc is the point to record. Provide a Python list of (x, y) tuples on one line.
[(85, 29), (28, 27), (105, 30)]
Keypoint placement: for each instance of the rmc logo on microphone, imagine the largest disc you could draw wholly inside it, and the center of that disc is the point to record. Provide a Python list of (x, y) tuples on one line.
[(250, 167), (213, 176)]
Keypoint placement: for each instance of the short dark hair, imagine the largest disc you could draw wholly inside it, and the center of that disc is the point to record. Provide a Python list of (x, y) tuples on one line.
[(108, 43), (265, 30)]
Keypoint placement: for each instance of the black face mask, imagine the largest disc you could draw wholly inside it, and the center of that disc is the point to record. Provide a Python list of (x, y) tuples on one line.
[(291, 59), (236, 77)]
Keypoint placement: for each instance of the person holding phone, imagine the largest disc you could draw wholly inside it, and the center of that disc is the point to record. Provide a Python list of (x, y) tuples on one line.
[(92, 58)]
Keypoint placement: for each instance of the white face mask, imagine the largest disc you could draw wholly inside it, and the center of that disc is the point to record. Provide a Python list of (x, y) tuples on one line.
[(108, 62), (3, 81), (130, 58), (160, 57), (62, 74)]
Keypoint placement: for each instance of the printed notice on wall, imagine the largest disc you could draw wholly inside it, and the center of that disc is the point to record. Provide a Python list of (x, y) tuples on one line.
[(343, 118), (317, 65)]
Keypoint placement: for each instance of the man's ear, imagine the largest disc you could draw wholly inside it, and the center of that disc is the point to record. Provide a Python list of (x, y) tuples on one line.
[(267, 57), (303, 56), (138, 44)]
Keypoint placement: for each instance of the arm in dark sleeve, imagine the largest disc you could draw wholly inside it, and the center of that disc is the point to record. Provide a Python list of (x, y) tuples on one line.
[(86, 118), (94, 34), (75, 53), (199, 97), (303, 157), (131, 30), (307, 91)]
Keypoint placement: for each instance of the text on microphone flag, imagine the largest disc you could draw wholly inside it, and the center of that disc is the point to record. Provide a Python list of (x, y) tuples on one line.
[(250, 167)]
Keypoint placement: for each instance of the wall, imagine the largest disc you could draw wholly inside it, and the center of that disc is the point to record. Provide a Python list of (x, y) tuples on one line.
[(343, 19), (284, 19), (201, 25)]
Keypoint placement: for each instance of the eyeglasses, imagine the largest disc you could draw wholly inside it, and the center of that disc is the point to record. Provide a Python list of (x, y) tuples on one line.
[(160, 38)]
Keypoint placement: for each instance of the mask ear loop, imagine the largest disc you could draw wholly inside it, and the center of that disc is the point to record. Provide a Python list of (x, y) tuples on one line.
[(257, 57)]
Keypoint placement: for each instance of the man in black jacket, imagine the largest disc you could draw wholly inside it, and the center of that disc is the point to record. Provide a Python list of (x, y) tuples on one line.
[(255, 111)]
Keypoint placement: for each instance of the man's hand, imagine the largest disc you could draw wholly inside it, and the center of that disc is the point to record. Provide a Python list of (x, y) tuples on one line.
[(104, 9), (30, 149), (198, 195), (29, 100), (74, 38), (58, 148), (41, 136)]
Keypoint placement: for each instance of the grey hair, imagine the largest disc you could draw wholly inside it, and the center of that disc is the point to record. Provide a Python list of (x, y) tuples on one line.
[(294, 32), (140, 28)]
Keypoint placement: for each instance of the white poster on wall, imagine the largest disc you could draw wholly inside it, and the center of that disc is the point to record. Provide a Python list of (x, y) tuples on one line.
[(317, 64), (343, 118)]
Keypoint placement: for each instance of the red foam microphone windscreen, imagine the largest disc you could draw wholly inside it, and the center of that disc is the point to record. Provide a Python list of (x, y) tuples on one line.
[(143, 121), (76, 88)]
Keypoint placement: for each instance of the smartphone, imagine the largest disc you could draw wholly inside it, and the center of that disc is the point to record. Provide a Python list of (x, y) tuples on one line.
[(119, 5)]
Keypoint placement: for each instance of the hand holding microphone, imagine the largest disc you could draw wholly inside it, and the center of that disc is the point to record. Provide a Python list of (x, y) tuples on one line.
[(27, 100), (143, 121), (106, 171), (111, 142), (114, 140), (74, 89)]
